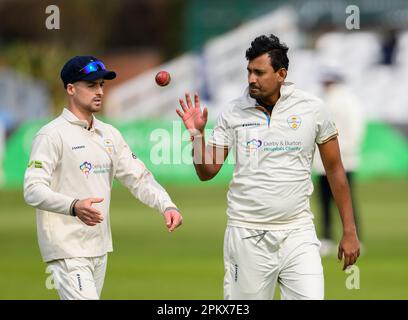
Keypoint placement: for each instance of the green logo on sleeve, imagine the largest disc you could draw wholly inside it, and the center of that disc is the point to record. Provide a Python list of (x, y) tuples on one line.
[(35, 164)]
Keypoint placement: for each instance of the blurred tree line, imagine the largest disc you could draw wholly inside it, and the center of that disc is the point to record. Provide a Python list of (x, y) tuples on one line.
[(96, 27)]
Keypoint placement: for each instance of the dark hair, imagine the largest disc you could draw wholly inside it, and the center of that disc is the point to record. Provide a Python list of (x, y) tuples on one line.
[(276, 50)]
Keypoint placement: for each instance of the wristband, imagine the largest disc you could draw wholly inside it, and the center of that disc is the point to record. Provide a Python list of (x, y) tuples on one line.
[(171, 208), (194, 136), (72, 210)]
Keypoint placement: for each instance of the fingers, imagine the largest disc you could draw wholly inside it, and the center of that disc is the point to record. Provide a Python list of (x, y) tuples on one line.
[(340, 253), (188, 99), (349, 248), (347, 257), (189, 104), (173, 220), (346, 262), (167, 217), (95, 215), (350, 259), (86, 213), (196, 100), (91, 210), (177, 221), (183, 105), (91, 217), (89, 220), (354, 258), (205, 114), (181, 114)]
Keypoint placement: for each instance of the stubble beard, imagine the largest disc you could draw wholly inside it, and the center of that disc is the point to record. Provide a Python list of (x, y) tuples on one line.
[(255, 96), (93, 107)]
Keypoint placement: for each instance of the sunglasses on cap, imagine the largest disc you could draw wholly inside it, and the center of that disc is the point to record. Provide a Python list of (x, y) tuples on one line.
[(92, 67)]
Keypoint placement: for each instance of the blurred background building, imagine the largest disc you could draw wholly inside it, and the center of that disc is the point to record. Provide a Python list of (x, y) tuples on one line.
[(202, 44)]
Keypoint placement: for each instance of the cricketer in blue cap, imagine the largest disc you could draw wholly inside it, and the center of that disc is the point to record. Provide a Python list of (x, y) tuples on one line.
[(69, 178)]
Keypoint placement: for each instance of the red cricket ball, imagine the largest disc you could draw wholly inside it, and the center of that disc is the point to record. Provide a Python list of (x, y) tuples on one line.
[(163, 78)]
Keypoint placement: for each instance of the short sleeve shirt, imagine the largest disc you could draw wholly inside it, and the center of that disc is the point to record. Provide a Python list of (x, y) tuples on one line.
[(271, 184)]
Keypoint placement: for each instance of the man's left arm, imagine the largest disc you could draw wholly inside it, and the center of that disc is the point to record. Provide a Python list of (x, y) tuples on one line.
[(349, 246), (133, 174)]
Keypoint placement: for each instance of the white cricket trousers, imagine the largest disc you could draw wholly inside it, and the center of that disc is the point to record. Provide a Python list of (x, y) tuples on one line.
[(255, 260), (79, 278)]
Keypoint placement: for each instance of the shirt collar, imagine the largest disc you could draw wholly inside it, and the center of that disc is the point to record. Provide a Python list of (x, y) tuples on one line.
[(70, 117), (247, 102)]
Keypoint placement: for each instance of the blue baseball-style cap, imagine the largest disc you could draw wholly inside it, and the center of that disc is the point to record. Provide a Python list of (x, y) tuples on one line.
[(85, 68)]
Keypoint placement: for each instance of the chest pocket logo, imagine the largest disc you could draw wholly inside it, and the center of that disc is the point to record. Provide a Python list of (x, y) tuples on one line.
[(109, 146), (294, 122)]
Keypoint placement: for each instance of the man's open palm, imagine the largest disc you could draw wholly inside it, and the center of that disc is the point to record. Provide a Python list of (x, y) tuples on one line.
[(193, 118)]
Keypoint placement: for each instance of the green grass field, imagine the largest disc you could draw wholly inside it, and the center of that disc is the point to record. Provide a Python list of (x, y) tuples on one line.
[(150, 263)]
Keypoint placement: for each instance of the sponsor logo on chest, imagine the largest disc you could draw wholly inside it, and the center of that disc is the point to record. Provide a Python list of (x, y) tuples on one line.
[(78, 147), (274, 146), (98, 168)]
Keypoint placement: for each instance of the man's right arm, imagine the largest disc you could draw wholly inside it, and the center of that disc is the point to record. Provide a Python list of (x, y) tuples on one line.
[(37, 180), (207, 159), (45, 155)]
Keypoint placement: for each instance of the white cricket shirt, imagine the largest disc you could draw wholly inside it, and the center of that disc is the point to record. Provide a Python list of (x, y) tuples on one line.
[(271, 183), (69, 162)]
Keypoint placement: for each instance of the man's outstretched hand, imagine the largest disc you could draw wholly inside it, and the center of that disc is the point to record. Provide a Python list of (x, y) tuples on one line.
[(194, 119), (86, 213)]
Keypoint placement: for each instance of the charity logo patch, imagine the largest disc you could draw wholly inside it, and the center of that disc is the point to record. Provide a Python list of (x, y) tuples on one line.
[(86, 168), (294, 122), (253, 144), (109, 146)]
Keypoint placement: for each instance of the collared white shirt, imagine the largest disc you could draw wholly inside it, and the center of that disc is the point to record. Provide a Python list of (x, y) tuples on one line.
[(271, 183), (69, 162)]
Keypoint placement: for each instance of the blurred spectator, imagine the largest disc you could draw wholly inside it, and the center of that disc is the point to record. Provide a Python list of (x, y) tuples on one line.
[(6, 127), (22, 98), (350, 125), (388, 47), (2, 150), (7, 123)]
